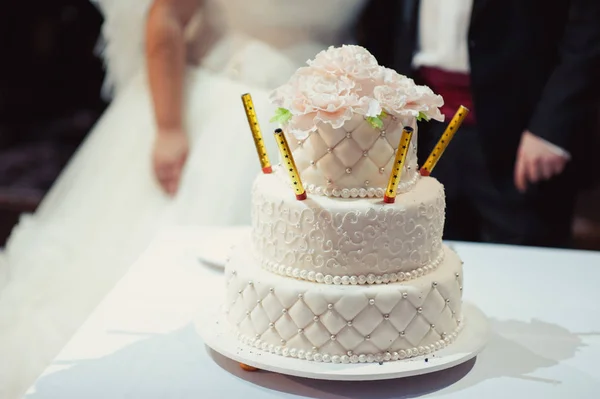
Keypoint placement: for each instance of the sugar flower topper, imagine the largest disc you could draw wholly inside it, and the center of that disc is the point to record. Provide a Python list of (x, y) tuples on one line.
[(343, 81)]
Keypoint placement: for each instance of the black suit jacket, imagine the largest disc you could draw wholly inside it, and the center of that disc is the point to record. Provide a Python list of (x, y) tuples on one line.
[(535, 64)]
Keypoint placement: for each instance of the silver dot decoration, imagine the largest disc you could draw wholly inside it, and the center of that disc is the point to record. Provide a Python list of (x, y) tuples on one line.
[(250, 283), (348, 135), (448, 300), (300, 296), (420, 310), (240, 292), (300, 331), (284, 311), (271, 325), (330, 306), (258, 302), (366, 182), (381, 170), (348, 170), (350, 356), (383, 133), (371, 301), (434, 284), (333, 337), (271, 290), (329, 181), (312, 163), (247, 313), (349, 323), (329, 150), (457, 275), (433, 326), (405, 295), (365, 153), (402, 333), (316, 318), (386, 316)]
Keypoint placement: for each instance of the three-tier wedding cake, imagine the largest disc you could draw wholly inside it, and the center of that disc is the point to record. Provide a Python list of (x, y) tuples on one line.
[(343, 276)]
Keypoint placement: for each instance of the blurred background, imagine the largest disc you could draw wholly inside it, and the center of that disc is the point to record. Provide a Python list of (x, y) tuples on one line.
[(50, 82)]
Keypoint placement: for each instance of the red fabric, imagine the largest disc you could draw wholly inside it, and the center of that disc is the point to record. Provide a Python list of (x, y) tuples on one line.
[(454, 87)]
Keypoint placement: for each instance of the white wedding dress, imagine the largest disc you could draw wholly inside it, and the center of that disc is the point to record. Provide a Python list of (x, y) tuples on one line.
[(106, 206)]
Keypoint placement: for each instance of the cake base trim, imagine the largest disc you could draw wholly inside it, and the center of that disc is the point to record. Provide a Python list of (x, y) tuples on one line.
[(371, 278), (351, 357), (213, 328)]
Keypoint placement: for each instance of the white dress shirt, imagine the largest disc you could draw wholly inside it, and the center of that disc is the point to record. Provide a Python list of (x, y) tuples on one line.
[(443, 29)]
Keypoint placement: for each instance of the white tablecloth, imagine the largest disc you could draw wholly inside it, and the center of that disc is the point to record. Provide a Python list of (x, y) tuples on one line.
[(140, 342)]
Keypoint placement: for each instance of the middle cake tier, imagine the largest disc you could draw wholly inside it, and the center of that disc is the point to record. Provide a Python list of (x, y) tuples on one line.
[(347, 241)]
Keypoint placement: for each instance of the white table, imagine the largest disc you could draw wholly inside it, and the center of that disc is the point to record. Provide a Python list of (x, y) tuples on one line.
[(140, 342)]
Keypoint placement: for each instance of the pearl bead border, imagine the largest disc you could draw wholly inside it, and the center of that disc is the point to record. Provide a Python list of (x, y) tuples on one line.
[(360, 192), (354, 358), (371, 192), (318, 277)]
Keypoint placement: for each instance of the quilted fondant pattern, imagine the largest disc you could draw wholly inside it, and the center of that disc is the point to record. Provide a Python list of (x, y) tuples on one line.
[(338, 320), (353, 157)]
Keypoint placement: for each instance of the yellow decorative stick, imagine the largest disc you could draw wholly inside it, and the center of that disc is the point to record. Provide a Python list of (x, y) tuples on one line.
[(441, 145), (265, 164), (403, 146), (290, 165)]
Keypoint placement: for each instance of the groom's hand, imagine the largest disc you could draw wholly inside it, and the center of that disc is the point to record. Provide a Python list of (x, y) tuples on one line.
[(170, 153), (537, 160)]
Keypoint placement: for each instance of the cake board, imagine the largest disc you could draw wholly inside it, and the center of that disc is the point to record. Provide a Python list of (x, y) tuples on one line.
[(212, 326)]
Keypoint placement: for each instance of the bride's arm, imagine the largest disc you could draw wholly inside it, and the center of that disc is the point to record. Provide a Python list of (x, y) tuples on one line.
[(166, 63), (166, 58)]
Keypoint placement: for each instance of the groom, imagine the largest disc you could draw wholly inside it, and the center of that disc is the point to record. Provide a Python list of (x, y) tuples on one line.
[(529, 71)]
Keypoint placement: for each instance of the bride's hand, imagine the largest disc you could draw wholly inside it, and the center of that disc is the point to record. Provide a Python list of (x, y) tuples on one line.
[(168, 159)]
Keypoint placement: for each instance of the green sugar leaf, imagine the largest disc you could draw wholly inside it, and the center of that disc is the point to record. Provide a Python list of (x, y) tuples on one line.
[(281, 116), (375, 121), (422, 117)]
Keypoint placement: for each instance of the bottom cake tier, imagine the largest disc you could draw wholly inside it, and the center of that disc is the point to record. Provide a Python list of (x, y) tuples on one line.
[(343, 323)]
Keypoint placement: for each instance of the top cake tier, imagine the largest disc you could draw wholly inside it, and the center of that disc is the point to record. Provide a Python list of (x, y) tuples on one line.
[(356, 159), (343, 116)]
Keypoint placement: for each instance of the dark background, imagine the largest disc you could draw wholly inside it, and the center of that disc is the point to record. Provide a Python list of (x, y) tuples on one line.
[(50, 82)]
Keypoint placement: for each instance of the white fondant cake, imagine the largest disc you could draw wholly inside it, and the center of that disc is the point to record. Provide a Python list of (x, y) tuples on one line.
[(343, 276), (351, 323), (325, 239), (354, 160)]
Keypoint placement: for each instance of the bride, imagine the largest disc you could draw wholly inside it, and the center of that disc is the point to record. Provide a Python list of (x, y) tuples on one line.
[(173, 148)]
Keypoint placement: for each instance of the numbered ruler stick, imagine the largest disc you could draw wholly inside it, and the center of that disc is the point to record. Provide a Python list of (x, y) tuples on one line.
[(442, 144), (290, 165), (392, 188), (265, 164)]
